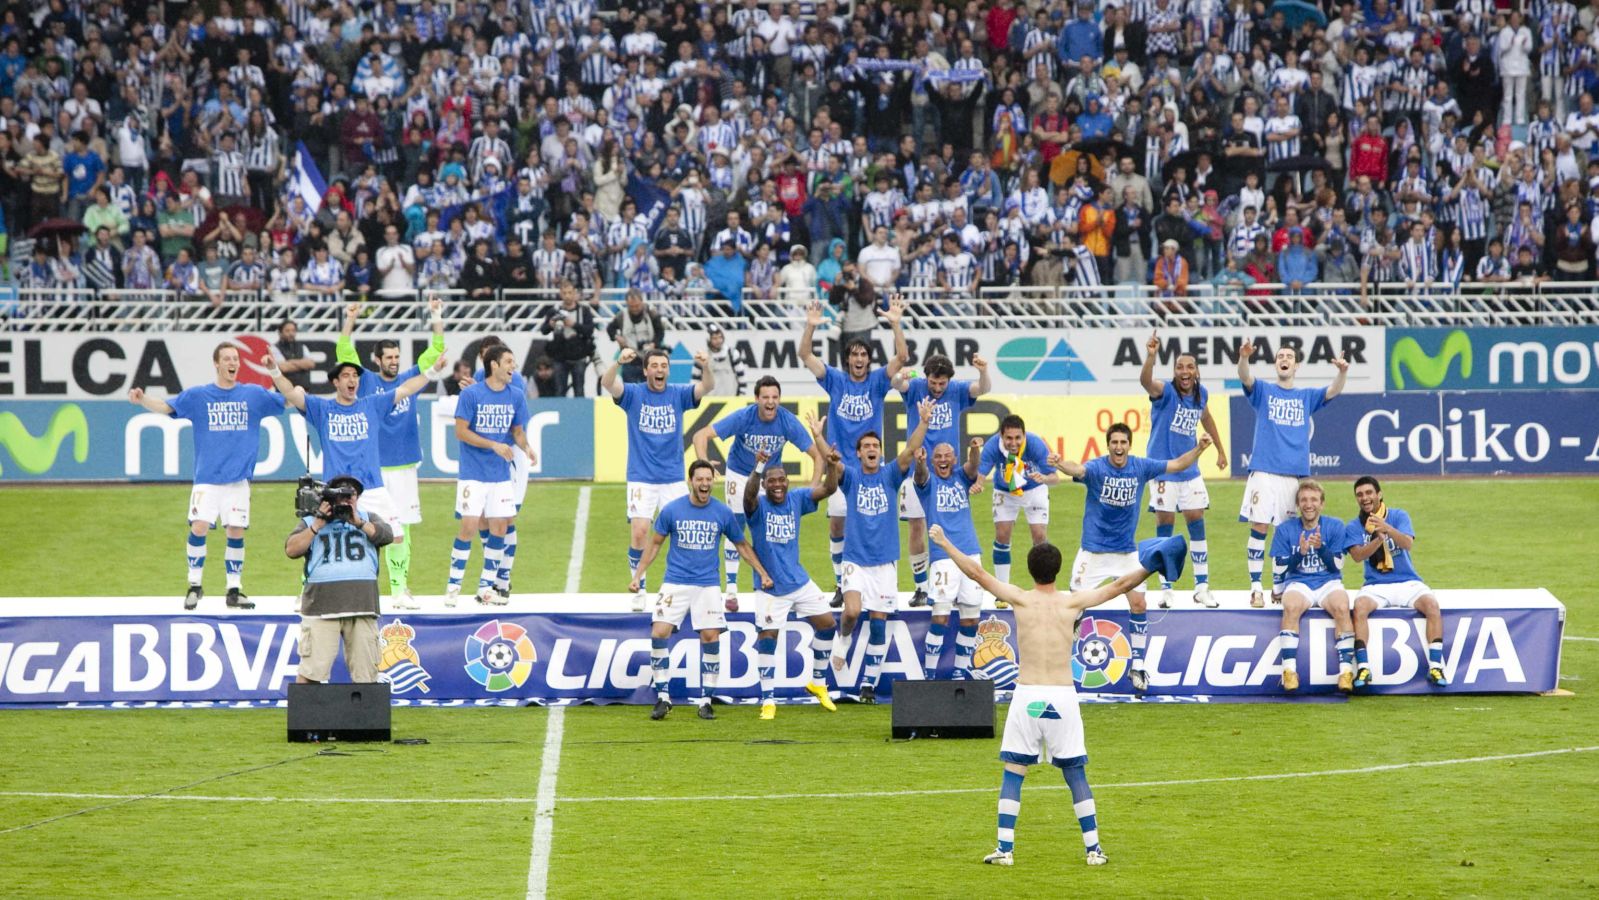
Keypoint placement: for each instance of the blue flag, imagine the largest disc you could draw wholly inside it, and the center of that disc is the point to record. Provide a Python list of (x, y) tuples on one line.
[(305, 179), (651, 199)]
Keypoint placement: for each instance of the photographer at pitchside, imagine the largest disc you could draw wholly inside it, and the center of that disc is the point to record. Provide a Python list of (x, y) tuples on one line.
[(340, 598)]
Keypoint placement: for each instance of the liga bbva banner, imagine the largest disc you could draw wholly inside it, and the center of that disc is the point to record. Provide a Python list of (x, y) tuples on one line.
[(1093, 361), (432, 659)]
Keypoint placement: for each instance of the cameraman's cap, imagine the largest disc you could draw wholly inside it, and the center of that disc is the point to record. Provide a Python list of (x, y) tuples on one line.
[(347, 481), (340, 366)]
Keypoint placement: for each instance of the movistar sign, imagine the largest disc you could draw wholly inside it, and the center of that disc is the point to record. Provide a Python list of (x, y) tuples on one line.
[(1492, 358)]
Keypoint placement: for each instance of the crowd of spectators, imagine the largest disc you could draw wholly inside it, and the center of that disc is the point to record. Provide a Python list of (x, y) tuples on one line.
[(723, 155)]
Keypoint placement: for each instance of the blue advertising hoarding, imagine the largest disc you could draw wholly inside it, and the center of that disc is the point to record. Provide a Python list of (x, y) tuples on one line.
[(115, 440), (1493, 359), (1444, 433)]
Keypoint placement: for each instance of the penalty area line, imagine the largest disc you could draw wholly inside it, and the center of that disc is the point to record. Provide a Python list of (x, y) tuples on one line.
[(538, 864), (580, 537), (547, 776), (1573, 637)]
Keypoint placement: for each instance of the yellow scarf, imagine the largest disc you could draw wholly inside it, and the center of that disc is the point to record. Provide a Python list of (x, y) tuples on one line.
[(1015, 473), (1384, 559)]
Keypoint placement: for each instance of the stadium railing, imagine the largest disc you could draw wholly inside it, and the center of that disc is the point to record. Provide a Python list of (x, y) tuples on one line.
[(1123, 306)]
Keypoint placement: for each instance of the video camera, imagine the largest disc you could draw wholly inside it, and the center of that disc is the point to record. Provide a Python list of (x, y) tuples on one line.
[(310, 494)]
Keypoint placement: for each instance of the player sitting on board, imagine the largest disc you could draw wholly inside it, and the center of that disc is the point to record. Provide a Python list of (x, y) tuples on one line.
[(1307, 555), (1391, 579)]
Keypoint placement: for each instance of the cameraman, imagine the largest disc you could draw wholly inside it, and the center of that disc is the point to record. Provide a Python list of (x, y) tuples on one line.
[(340, 599), (858, 305)]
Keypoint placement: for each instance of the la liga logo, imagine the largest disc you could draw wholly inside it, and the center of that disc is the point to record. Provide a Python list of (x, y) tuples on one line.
[(500, 655), (1102, 653)]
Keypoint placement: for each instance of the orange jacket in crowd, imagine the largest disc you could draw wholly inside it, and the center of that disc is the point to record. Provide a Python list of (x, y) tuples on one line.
[(1095, 227)]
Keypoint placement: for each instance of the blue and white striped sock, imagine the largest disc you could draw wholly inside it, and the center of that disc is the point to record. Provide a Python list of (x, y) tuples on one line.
[(1082, 800), (1199, 551), (1002, 562), (835, 547), (492, 551), (633, 557), (195, 551), (965, 645), (710, 667), (1362, 658), (766, 665), (459, 551), (1435, 654), (1288, 649), (821, 651), (502, 578), (876, 649), (233, 562), (919, 570), (1010, 806), (1140, 637), (730, 565), (1164, 530), (1346, 651), (1257, 557), (933, 648), (659, 656)]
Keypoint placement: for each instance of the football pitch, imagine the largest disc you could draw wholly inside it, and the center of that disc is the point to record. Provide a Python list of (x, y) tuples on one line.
[(1445, 796)]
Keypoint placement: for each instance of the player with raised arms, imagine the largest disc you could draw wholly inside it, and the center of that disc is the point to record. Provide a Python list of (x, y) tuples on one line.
[(1281, 452), (871, 545), (1383, 542), (854, 407), (763, 426), (1019, 462), (491, 419), (1044, 716), (227, 435), (1109, 546), (696, 523), (1177, 410), (950, 399), (400, 449), (944, 490), (654, 440), (774, 513), (1308, 560), (349, 427), (521, 469)]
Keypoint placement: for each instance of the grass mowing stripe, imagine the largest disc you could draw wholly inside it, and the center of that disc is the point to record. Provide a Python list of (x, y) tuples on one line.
[(538, 866), (580, 536)]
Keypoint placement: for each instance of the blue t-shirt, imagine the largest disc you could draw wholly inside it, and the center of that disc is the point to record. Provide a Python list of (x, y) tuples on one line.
[(696, 533), (1115, 496), (518, 383), (401, 443), (340, 552), (491, 414), (1312, 570), (871, 518), (752, 434), (1282, 427), (945, 427), (947, 503), (1174, 427), (1404, 570), (853, 407), (774, 535), (655, 431), (227, 428), (81, 170), (1033, 460), (350, 435)]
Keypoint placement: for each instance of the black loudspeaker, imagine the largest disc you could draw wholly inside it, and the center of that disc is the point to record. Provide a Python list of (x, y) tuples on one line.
[(339, 712), (944, 709)]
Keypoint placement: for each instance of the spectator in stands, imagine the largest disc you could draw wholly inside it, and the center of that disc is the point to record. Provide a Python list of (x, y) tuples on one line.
[(570, 348), (857, 303), (1296, 264), (637, 328)]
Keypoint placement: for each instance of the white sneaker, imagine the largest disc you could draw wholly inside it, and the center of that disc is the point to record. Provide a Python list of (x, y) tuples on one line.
[(1165, 599), (406, 600), (1000, 858), (1203, 598), (1097, 858), (451, 595), (488, 596), (638, 601)]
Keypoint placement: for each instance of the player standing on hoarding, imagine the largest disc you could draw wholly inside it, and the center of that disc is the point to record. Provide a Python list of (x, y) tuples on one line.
[(945, 492), (1307, 558), (227, 428), (1391, 579), (1280, 455), (521, 469), (400, 444), (774, 513), (762, 427), (1019, 461), (696, 522), (654, 441), (1109, 546), (1177, 410), (854, 407), (950, 399), (1044, 716)]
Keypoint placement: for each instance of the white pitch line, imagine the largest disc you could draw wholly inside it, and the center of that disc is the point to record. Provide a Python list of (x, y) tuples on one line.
[(580, 537), (1178, 782), (1572, 637), (538, 865)]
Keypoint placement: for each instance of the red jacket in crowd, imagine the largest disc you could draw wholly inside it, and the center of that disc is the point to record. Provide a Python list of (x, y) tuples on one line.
[(1369, 156)]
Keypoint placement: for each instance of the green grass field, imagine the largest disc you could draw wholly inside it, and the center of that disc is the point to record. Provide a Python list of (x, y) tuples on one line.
[(686, 808)]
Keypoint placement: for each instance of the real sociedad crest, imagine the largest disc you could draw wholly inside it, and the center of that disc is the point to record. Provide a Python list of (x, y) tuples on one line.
[(400, 665), (994, 659)]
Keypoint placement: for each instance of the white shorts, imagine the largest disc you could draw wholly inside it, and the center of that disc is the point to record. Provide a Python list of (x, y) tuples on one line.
[(377, 501), (1395, 596), (645, 500), (676, 601), (225, 504), (402, 488), (1316, 596), (949, 587), (520, 467), (1269, 498), (1178, 496), (733, 485), (1034, 502), (491, 499), (836, 508), (1090, 570), (877, 585), (910, 502), (1043, 718), (772, 610)]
